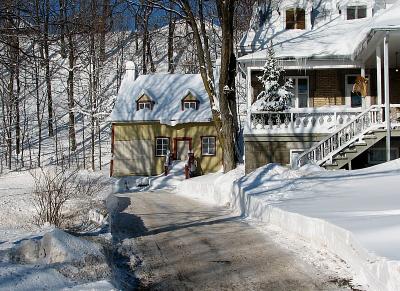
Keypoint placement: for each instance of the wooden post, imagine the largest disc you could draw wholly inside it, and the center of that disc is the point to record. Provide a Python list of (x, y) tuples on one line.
[(379, 75), (387, 99)]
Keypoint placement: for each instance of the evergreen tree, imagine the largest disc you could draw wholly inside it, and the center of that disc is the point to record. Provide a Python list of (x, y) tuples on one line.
[(274, 97)]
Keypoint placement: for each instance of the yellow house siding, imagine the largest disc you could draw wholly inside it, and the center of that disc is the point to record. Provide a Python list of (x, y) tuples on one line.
[(148, 131)]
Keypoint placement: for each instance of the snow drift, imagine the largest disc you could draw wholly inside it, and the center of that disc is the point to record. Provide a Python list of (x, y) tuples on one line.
[(322, 207)]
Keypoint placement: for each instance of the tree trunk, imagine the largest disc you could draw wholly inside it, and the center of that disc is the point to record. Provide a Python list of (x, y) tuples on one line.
[(47, 68), (171, 31), (227, 96), (103, 28), (71, 100), (63, 21)]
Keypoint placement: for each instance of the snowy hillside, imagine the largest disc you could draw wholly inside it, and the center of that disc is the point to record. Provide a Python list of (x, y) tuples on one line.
[(95, 87)]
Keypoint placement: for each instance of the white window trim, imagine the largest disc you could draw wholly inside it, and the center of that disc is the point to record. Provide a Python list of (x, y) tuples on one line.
[(162, 145), (357, 6), (295, 8), (296, 89), (392, 149), (190, 103), (208, 147), (347, 97), (343, 8), (293, 161), (144, 105)]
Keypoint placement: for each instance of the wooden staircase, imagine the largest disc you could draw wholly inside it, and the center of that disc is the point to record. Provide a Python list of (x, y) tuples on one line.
[(345, 156), (349, 141)]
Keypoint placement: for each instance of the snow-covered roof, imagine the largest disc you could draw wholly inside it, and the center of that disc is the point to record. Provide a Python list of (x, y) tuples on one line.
[(167, 91), (334, 37), (388, 19)]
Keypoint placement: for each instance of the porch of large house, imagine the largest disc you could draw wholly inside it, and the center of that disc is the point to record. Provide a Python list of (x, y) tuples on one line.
[(324, 103)]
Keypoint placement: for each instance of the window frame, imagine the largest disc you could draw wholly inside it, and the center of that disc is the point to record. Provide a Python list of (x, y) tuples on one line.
[(156, 144), (356, 8), (296, 90), (145, 104), (190, 102), (295, 20), (208, 154)]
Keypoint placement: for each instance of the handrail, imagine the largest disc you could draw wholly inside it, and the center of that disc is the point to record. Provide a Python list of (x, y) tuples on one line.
[(342, 137), (319, 119)]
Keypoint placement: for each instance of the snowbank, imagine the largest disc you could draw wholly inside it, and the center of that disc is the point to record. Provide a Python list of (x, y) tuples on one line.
[(52, 261), (216, 188), (354, 215), (55, 246)]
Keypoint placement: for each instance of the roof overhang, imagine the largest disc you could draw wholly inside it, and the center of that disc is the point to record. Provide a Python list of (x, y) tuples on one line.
[(374, 38)]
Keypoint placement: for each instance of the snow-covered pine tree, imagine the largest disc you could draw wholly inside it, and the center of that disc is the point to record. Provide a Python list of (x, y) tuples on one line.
[(274, 97)]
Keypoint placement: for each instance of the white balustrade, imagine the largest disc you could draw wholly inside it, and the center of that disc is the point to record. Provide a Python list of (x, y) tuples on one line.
[(316, 119), (346, 135)]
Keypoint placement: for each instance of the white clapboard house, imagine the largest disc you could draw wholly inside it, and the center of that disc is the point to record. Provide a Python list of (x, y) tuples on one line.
[(324, 47)]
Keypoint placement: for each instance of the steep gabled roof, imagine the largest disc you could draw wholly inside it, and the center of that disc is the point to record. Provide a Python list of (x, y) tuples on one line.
[(167, 91)]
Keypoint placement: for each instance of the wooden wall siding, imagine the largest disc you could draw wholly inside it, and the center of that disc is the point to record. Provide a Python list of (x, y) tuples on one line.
[(127, 133), (260, 151), (327, 89)]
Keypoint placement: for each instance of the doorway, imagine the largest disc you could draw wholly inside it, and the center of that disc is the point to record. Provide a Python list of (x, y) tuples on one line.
[(182, 146), (353, 99)]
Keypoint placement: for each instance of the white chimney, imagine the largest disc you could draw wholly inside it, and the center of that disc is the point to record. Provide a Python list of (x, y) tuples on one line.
[(130, 70)]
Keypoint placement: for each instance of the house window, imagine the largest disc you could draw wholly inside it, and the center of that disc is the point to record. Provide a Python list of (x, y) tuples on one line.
[(189, 105), (294, 154), (144, 105), (356, 12), (378, 155), (208, 146), (295, 18), (162, 146), (300, 92)]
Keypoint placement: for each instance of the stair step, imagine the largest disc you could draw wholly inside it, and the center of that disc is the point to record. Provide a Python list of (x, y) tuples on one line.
[(350, 151), (329, 164), (360, 143), (340, 158), (369, 136), (379, 130)]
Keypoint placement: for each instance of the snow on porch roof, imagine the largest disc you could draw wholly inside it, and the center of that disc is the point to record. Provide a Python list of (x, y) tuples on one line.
[(167, 90), (335, 39), (338, 38)]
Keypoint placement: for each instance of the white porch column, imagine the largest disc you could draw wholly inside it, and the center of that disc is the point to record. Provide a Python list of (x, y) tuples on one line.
[(387, 100), (378, 75), (249, 92), (365, 99)]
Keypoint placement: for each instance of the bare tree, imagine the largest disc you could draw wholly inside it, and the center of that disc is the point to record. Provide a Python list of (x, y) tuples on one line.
[(222, 99)]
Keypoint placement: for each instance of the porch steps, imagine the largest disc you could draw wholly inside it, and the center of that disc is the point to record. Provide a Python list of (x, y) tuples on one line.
[(345, 156)]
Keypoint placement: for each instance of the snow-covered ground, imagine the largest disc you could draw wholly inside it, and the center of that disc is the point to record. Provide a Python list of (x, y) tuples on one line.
[(137, 183), (351, 214), (36, 257)]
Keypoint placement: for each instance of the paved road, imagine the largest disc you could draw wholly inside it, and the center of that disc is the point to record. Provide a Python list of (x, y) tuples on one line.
[(185, 245)]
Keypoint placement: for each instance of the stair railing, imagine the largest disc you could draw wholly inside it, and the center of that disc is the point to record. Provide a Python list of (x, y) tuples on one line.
[(343, 137)]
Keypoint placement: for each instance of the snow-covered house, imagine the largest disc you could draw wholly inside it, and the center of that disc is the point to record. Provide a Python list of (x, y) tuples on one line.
[(325, 47), (157, 114)]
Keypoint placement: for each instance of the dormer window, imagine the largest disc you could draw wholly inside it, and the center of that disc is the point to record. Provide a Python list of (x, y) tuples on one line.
[(144, 105), (144, 102), (190, 101), (356, 12), (295, 18), (190, 105)]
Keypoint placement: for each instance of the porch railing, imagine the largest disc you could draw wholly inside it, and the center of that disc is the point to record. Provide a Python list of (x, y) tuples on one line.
[(346, 135), (299, 119)]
